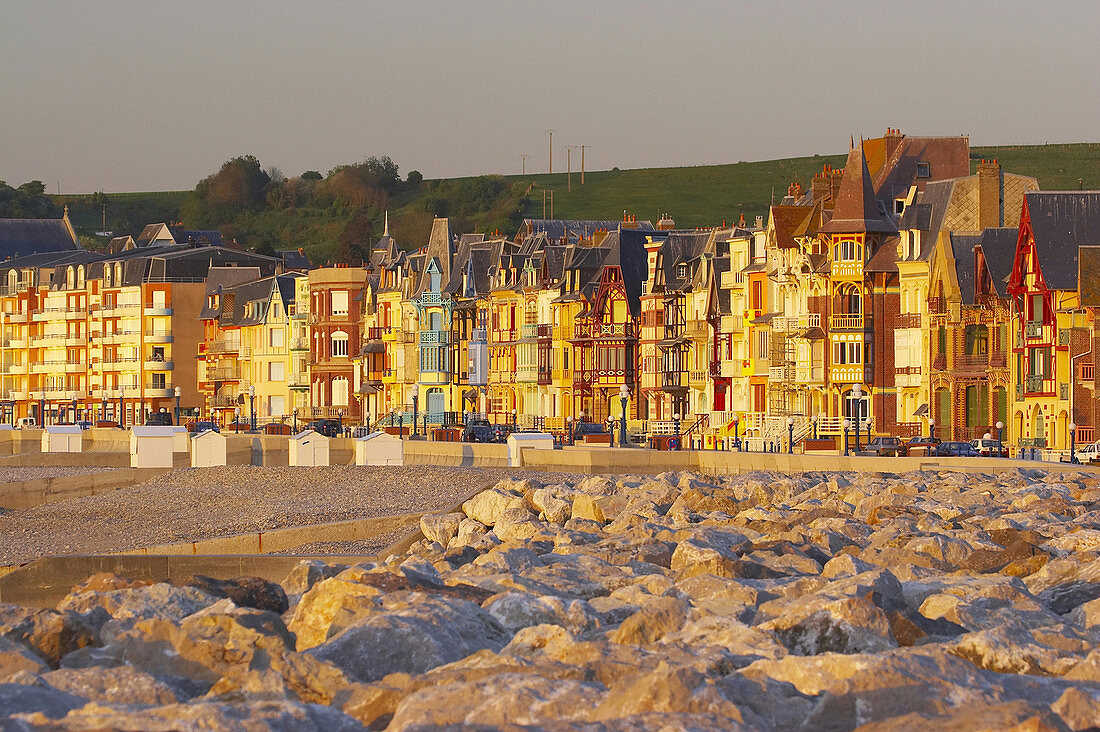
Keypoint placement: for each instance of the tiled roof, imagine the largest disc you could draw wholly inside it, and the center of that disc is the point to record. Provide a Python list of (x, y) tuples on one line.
[(21, 237), (856, 209), (1061, 222), (962, 249)]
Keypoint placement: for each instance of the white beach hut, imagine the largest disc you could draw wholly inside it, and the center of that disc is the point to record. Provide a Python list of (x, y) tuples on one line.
[(308, 449)]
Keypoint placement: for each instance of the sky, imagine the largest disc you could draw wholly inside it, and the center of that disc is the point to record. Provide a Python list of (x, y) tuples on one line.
[(155, 95)]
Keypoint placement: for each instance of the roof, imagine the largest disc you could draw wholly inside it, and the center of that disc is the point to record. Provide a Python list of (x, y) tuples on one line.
[(885, 258), (785, 222), (857, 209), (21, 237), (572, 230), (945, 157), (998, 247), (1061, 222), (1088, 279), (962, 249)]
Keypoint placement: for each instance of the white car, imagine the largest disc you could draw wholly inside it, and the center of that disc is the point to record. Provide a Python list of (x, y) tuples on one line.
[(1089, 453)]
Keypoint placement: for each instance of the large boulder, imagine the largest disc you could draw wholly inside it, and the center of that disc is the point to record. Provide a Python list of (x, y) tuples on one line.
[(118, 685), (328, 607), (516, 610), (440, 527), (50, 633), (487, 506)]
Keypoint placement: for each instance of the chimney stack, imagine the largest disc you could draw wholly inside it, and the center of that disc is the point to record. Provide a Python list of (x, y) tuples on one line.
[(991, 206)]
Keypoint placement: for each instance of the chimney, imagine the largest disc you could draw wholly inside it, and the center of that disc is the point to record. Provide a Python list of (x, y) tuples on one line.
[(893, 141), (990, 201), (760, 222), (819, 186)]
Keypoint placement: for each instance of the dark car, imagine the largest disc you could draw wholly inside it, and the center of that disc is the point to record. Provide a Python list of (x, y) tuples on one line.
[(159, 419), (956, 449), (326, 427), (203, 426), (501, 432), (477, 430), (883, 446), (919, 446), (580, 429), (990, 448)]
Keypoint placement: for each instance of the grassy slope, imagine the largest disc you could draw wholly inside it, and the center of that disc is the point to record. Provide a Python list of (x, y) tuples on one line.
[(696, 196)]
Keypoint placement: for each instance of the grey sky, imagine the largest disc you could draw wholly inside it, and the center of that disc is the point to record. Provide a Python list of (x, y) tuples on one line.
[(122, 96)]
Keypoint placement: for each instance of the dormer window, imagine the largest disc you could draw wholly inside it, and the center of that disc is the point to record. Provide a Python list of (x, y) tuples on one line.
[(682, 271), (923, 170), (899, 206)]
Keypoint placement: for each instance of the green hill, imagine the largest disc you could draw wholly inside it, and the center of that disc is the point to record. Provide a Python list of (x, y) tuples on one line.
[(693, 196)]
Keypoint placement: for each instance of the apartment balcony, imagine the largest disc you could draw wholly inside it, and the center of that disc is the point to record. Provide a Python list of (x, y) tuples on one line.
[(528, 331), (18, 342), (849, 322), (158, 335), (978, 362), (428, 299), (589, 330), (157, 392), (18, 396), (908, 320), (1033, 330), (223, 347), (22, 317), (479, 335), (731, 280), (732, 324), (152, 364), (435, 337), (1037, 386), (17, 368), (299, 380), (527, 375), (544, 332), (151, 310), (698, 378), (75, 367), (698, 331), (120, 335), (222, 401), (783, 374), (223, 374)]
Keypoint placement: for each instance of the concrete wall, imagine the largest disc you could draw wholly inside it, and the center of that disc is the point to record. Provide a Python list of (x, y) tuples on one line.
[(28, 493), (457, 454)]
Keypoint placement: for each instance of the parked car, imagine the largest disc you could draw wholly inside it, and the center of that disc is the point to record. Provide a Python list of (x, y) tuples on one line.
[(326, 427), (919, 446), (24, 423), (956, 449), (989, 448), (883, 446), (159, 419), (581, 429), (84, 425), (501, 432), (1089, 453), (477, 430), (203, 426)]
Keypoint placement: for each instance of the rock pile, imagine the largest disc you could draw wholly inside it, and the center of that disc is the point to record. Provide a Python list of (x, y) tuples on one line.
[(761, 602)]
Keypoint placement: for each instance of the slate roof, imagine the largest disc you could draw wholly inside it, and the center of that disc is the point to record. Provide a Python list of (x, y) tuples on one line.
[(998, 248), (786, 220), (1061, 222), (856, 209), (572, 230), (21, 237), (885, 258), (962, 249), (947, 157)]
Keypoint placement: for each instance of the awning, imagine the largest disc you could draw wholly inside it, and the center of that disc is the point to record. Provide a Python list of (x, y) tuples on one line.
[(921, 411), (672, 342), (812, 334), (470, 395), (368, 389), (374, 347), (764, 319)]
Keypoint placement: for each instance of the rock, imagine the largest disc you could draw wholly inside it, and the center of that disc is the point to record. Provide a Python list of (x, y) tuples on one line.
[(1078, 708), (412, 638), (742, 644), (307, 573), (16, 657), (120, 685), (441, 527), (267, 715), (1086, 615), (668, 689), (107, 581), (516, 525), (487, 506), (1015, 650), (470, 532), (50, 633), (596, 507), (1062, 599), (657, 617), (47, 703), (330, 606), (251, 592), (516, 610), (845, 565), (118, 610), (555, 509), (851, 625), (982, 717)]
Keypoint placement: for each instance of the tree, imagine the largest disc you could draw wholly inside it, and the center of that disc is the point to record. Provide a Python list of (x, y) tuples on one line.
[(385, 170), (241, 183), (353, 244), (414, 179), (311, 175)]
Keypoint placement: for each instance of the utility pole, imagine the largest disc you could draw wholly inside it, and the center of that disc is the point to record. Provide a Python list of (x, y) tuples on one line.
[(582, 147), (547, 194), (569, 167), (551, 133), (523, 165)]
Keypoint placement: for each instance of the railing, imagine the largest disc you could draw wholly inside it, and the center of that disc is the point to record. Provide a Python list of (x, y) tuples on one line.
[(973, 361), (299, 344), (221, 401), (784, 374), (1035, 385), (544, 331), (376, 333), (503, 336), (479, 335), (223, 374), (223, 347), (937, 305), (698, 376), (528, 331), (1034, 330), (603, 330), (299, 380), (428, 299), (698, 331), (848, 322), (435, 337), (909, 320)]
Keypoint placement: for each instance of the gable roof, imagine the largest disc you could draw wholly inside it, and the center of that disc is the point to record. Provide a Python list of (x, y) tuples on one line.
[(21, 237), (1061, 222), (857, 209), (998, 246)]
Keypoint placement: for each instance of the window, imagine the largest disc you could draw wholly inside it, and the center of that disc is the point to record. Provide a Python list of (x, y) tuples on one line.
[(923, 170), (899, 206), (340, 344), (682, 271), (339, 392), (276, 406), (339, 302), (847, 353), (159, 381), (757, 295), (1036, 309), (276, 371), (275, 338)]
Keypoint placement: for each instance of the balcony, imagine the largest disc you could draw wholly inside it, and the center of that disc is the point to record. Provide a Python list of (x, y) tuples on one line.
[(223, 347), (909, 320), (1036, 384), (528, 331), (435, 337), (153, 364), (157, 310), (16, 342), (504, 336), (544, 378), (222, 401), (75, 313), (299, 344), (544, 332), (937, 305), (299, 380), (21, 317), (782, 374), (588, 330), (731, 280), (158, 335), (479, 335), (698, 378), (1033, 330), (157, 392), (223, 374), (849, 322), (672, 380), (733, 323), (428, 299), (972, 362), (698, 331)]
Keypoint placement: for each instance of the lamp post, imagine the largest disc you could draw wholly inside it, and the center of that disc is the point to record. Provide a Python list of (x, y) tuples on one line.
[(340, 422), (1072, 443), (416, 403), (237, 421), (515, 424), (569, 427), (624, 395), (178, 393), (676, 428), (857, 394), (252, 407), (465, 417), (790, 435), (103, 406), (736, 434), (846, 424), (121, 406), (1000, 446), (931, 428), (815, 426), (295, 420)]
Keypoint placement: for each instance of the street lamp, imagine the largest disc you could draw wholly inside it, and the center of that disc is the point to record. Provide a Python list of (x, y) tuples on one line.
[(237, 420), (790, 435), (846, 424), (252, 406), (931, 427), (515, 424), (103, 399), (121, 406), (676, 428), (736, 434), (815, 426), (179, 393), (1072, 443), (465, 417), (569, 427), (340, 417), (857, 394), (295, 420), (416, 403), (1000, 447), (624, 396)]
